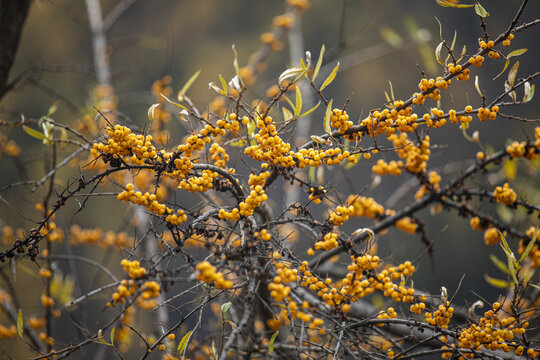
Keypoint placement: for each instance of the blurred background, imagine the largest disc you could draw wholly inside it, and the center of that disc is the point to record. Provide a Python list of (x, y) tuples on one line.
[(375, 41)]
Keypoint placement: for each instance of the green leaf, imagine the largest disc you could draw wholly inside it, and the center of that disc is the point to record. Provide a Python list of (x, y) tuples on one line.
[(187, 85), (516, 52), (480, 11), (34, 133), (20, 326), (287, 115), (330, 77), (529, 92), (390, 36), (182, 345), (225, 307), (172, 102), (312, 175), (53, 108), (223, 84), (446, 3), (498, 283), (112, 335), (327, 115), (529, 246), (289, 101), (310, 110), (298, 107), (503, 70), (391, 90), (319, 63), (271, 343), (151, 111), (499, 264)]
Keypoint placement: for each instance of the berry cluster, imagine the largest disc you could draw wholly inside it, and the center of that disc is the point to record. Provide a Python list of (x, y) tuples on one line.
[(207, 273), (505, 195)]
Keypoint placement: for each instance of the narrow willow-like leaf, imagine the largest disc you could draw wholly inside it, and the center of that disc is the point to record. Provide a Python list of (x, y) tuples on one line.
[(328, 113), (298, 105), (271, 342), (529, 246), (477, 85), (34, 133), (330, 77), (438, 53), (172, 102), (187, 85), (20, 324), (446, 3), (499, 264), (498, 283), (182, 345), (319, 63), (310, 110)]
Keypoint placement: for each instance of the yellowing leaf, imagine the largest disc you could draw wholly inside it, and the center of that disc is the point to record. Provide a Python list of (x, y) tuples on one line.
[(327, 115), (287, 115), (111, 337), (271, 342), (172, 102), (20, 326), (528, 92), (513, 72), (390, 36), (310, 110), (477, 85), (187, 85), (446, 3), (516, 52), (319, 63), (182, 345), (151, 111), (298, 105), (34, 133), (330, 77), (438, 53), (498, 283), (529, 246), (499, 264), (510, 169), (320, 140), (480, 11)]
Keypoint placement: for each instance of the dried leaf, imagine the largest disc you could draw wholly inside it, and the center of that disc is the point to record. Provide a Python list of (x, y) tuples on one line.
[(438, 53), (151, 111)]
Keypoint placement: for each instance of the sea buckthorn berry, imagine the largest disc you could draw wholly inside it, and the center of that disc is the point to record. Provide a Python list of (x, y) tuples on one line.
[(491, 236), (468, 108), (505, 195)]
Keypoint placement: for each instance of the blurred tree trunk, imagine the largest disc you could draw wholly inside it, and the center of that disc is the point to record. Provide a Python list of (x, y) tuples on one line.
[(13, 13)]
